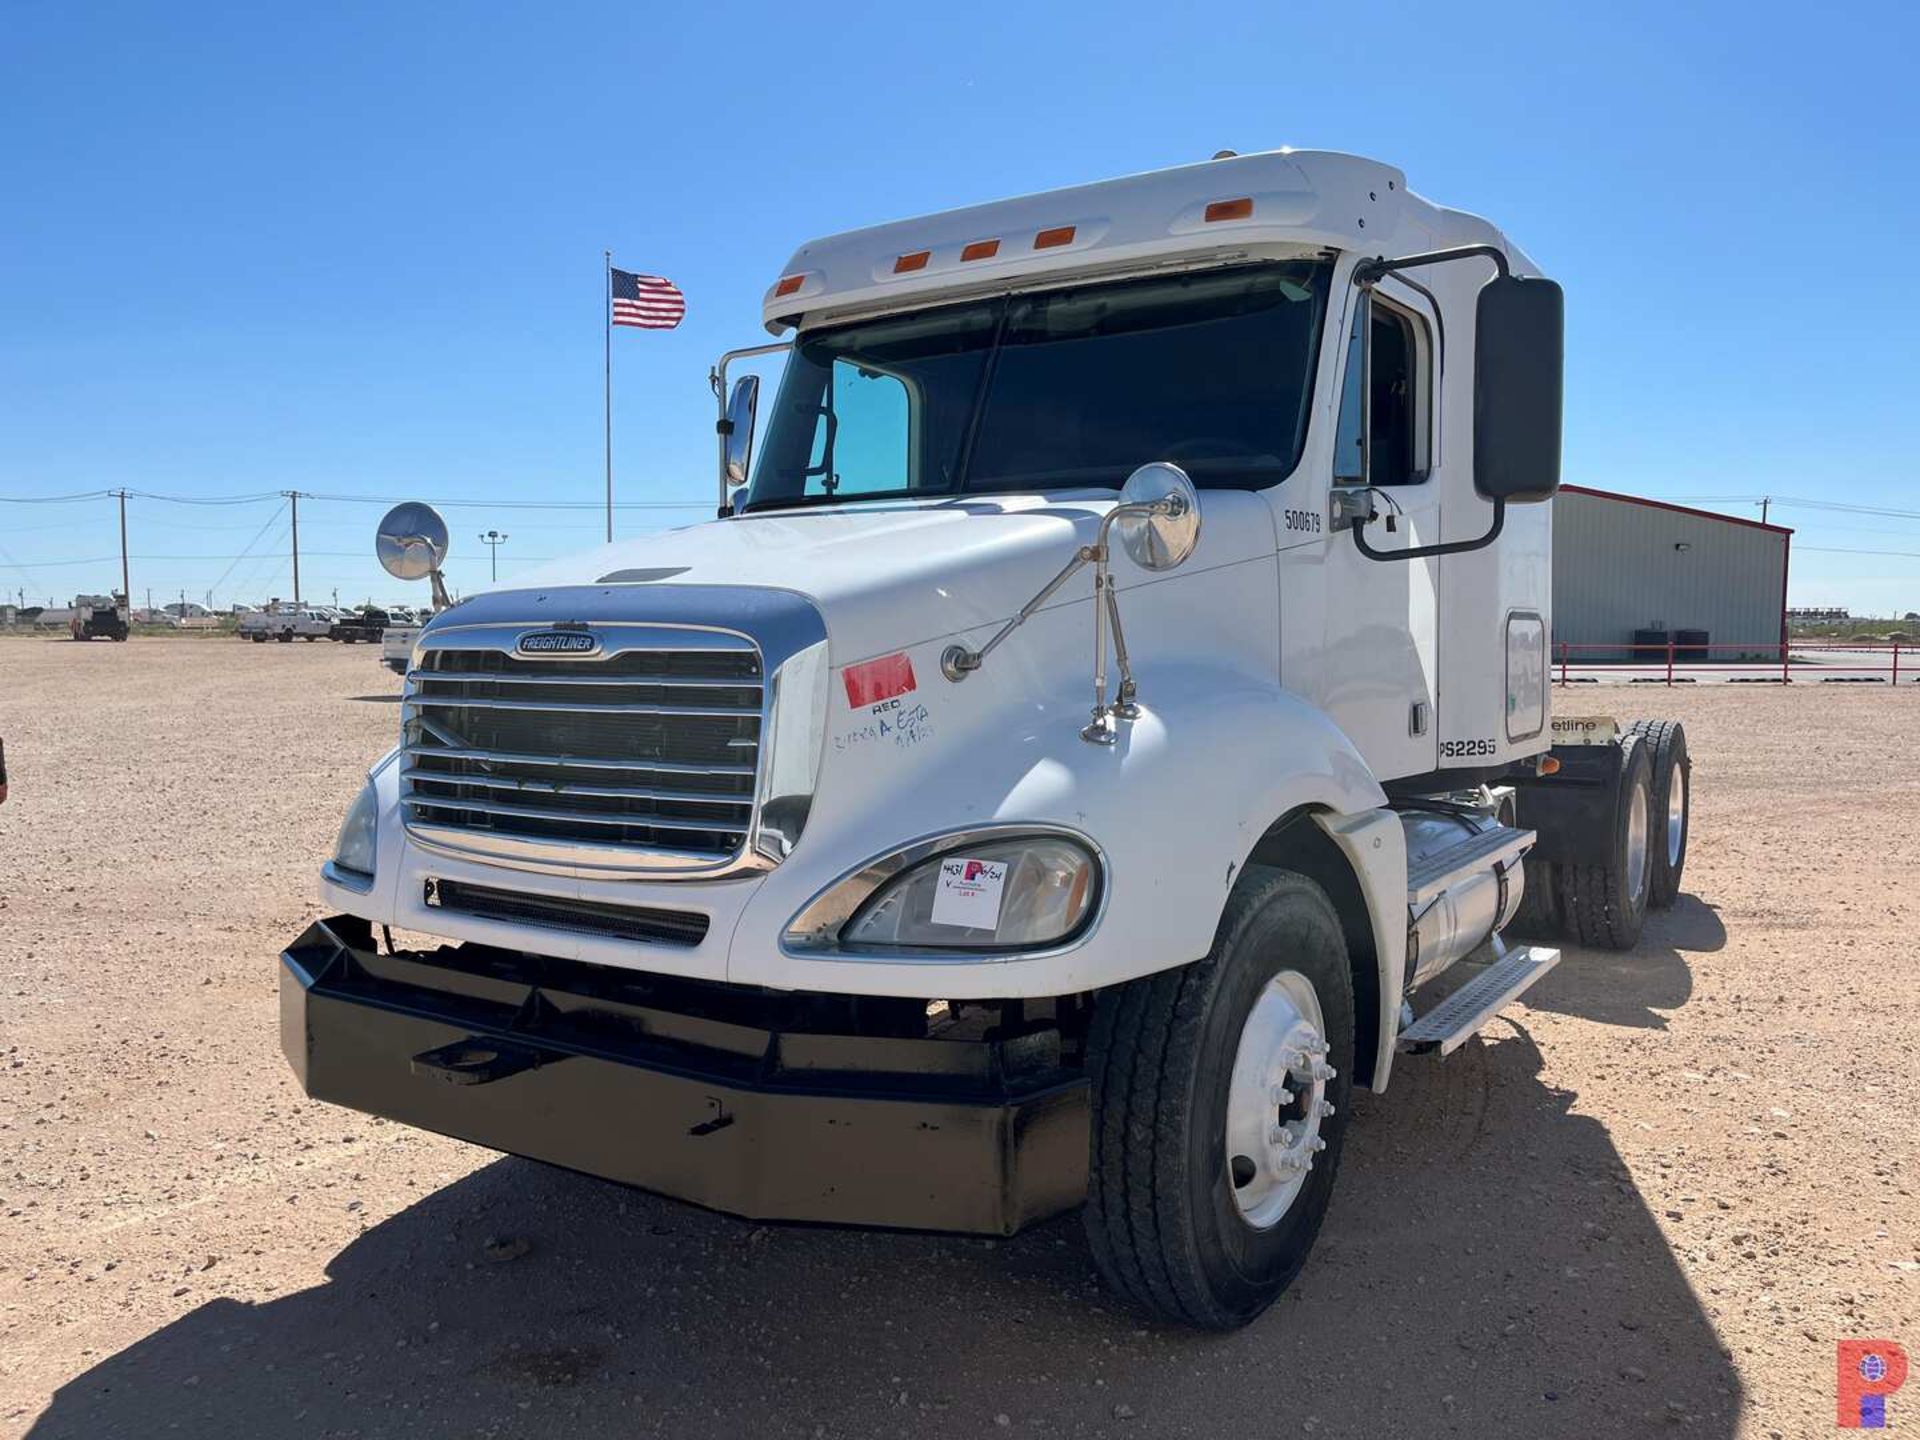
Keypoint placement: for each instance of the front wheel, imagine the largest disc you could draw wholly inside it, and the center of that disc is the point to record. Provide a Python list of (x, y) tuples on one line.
[(1220, 1099)]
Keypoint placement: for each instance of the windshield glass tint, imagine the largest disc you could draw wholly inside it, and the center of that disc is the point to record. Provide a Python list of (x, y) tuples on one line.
[(1069, 388)]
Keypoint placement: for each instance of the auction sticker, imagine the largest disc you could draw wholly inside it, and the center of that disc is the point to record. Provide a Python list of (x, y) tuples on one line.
[(968, 892)]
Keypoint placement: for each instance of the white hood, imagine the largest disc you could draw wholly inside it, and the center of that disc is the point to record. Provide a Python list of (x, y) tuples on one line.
[(887, 574)]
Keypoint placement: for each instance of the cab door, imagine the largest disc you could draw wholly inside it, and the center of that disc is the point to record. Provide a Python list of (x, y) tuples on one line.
[(1381, 682)]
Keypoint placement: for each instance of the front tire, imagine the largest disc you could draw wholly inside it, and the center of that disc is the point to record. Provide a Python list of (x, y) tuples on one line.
[(1220, 1100)]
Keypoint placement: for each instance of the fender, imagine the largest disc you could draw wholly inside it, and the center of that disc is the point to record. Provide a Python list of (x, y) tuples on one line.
[(1176, 807), (1375, 845)]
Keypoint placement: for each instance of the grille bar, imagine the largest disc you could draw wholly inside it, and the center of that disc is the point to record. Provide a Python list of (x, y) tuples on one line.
[(579, 707), (563, 787), (575, 817), (665, 682), (584, 762)]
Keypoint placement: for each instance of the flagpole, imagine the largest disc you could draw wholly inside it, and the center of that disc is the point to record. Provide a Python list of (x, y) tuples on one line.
[(606, 316)]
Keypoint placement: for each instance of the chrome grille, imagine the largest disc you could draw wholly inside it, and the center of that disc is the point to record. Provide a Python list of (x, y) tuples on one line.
[(653, 749)]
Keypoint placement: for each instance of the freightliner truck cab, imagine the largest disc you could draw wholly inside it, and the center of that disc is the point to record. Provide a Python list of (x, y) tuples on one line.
[(1107, 704)]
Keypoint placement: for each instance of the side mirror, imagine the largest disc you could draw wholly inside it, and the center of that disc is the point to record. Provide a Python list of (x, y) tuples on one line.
[(411, 543), (1163, 531), (741, 408), (1518, 347)]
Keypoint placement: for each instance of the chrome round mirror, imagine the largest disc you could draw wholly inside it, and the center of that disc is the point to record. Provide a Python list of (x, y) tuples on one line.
[(1164, 540), (411, 541)]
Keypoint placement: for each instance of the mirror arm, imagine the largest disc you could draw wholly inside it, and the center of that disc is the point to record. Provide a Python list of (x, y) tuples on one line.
[(957, 661), (1371, 272), (1426, 552)]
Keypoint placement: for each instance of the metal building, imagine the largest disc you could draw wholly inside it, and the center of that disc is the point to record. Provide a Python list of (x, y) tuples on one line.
[(1627, 570)]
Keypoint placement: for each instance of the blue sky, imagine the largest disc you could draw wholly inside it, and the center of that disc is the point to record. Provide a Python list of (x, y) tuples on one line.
[(356, 249)]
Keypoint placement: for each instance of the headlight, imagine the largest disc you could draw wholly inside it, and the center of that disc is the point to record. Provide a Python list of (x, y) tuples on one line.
[(1017, 894), (354, 851)]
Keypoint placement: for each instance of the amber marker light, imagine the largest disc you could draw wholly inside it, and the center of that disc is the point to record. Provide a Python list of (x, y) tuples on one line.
[(1241, 209), (981, 250), (1052, 239), (906, 264)]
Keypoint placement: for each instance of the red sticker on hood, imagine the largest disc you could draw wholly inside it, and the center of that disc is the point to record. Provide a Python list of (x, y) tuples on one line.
[(872, 681)]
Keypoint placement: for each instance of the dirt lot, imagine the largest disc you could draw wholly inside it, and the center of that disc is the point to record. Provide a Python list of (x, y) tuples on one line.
[(1648, 1202)]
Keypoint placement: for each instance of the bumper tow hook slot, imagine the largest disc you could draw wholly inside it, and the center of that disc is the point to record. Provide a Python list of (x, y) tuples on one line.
[(718, 1120), (474, 1062)]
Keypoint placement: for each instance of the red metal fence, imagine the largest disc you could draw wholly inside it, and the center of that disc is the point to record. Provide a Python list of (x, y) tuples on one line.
[(1772, 662)]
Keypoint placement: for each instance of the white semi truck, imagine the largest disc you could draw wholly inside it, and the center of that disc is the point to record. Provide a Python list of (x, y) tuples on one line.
[(1109, 724)]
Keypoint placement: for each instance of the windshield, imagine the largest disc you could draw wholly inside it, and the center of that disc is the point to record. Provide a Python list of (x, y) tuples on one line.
[(1069, 388)]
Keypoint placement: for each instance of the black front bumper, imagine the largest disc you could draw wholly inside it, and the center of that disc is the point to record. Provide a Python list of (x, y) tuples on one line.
[(759, 1104)]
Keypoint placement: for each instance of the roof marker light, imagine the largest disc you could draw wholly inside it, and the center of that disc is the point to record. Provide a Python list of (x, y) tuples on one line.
[(981, 250), (788, 284), (906, 264), (1050, 239), (1241, 209)]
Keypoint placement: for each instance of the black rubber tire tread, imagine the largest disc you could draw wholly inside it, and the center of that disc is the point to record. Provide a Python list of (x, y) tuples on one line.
[(1145, 1055), (1668, 739), (1539, 912), (1595, 909)]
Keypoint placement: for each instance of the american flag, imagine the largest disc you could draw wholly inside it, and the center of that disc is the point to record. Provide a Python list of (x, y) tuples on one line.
[(648, 301)]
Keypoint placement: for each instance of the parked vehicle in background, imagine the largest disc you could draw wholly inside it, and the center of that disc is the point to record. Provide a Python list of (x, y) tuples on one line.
[(354, 627), (396, 646), (98, 617), (284, 623), (782, 866)]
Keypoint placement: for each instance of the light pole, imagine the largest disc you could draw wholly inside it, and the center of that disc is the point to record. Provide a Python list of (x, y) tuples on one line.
[(493, 540)]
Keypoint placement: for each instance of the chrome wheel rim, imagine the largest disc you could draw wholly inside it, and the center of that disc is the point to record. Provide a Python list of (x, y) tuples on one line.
[(1676, 814), (1276, 1100), (1637, 843)]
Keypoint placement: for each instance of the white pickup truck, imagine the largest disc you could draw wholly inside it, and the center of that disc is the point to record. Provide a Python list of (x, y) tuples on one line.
[(1110, 726), (396, 646)]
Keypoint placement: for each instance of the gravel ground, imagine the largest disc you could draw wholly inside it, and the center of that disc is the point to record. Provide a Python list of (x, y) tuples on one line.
[(1647, 1201)]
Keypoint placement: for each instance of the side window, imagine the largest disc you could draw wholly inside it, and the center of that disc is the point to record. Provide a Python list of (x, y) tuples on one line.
[(862, 440), (1384, 431)]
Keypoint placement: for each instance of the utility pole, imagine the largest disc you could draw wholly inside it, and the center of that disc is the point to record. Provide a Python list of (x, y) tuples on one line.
[(126, 588), (493, 540), (1765, 501), (293, 498)]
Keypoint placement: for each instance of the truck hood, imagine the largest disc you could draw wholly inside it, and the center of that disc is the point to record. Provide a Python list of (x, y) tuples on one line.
[(890, 574)]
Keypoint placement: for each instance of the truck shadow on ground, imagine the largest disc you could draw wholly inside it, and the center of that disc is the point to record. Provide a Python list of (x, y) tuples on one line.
[(1488, 1268), (1634, 987)]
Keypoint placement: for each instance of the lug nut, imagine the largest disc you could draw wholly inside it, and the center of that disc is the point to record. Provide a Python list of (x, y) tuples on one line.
[(1318, 1144), (1280, 1095), (1326, 1109)]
